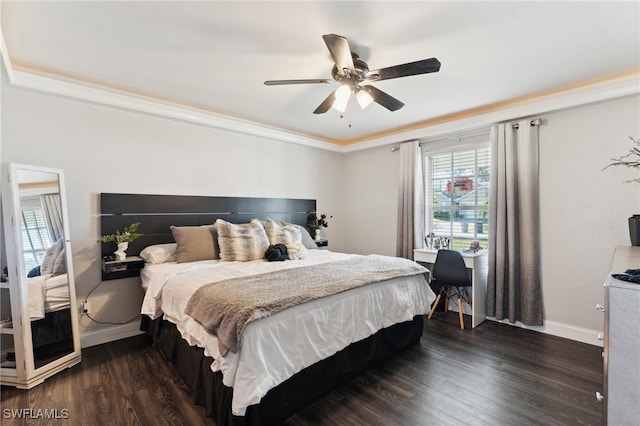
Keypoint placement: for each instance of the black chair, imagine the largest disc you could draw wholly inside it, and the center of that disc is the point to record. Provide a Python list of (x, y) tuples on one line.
[(450, 273)]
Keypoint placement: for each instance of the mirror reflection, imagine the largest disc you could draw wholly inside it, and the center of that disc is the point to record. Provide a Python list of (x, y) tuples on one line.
[(44, 256)]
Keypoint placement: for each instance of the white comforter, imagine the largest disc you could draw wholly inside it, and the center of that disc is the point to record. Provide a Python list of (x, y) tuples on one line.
[(312, 331)]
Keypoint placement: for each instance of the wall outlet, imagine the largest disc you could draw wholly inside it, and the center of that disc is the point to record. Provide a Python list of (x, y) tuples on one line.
[(87, 307)]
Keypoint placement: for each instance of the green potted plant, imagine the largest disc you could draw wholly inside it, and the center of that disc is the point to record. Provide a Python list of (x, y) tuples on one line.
[(632, 160), (122, 239)]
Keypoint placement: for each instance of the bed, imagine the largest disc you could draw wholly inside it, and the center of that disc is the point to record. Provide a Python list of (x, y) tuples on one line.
[(290, 357)]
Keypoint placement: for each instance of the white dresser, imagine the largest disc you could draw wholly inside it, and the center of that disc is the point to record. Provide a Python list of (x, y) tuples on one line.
[(622, 342)]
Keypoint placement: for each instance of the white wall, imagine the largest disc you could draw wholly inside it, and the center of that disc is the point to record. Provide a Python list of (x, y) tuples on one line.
[(370, 206), (584, 210), (103, 149)]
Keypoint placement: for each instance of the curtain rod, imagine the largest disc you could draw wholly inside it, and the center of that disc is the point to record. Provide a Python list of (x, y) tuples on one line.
[(456, 138), (535, 122)]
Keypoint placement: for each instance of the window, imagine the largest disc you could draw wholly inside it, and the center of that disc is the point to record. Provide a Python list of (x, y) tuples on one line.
[(35, 234), (457, 192)]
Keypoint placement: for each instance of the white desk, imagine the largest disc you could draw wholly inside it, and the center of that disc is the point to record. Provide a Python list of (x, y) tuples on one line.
[(477, 262)]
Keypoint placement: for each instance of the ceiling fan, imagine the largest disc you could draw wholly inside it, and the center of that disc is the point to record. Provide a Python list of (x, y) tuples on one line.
[(353, 74)]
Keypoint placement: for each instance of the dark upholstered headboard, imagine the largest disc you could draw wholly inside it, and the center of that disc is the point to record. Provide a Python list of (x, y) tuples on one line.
[(156, 213)]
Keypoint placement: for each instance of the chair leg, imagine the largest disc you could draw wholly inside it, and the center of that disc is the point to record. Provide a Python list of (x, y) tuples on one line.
[(435, 305), (460, 311), (468, 297), (446, 301)]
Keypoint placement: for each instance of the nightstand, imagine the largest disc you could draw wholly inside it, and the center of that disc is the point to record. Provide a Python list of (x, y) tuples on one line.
[(116, 269), (321, 243)]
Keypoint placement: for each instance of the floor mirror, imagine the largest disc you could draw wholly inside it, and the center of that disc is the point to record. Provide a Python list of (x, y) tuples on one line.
[(39, 312)]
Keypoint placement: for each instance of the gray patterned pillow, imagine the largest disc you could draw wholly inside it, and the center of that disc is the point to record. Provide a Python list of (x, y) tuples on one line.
[(307, 240), (289, 235), (60, 266), (247, 241), (50, 257)]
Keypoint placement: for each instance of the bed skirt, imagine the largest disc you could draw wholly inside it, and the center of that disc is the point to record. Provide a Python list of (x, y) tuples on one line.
[(284, 400)]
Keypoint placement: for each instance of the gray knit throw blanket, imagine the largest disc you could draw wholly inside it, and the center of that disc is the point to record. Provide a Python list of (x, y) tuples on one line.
[(226, 307)]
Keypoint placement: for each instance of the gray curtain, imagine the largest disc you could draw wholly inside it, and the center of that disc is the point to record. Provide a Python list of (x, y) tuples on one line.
[(53, 215), (513, 286), (410, 201)]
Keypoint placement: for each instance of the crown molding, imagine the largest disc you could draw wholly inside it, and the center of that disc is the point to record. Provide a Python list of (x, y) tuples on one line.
[(613, 88), (100, 95), (590, 93)]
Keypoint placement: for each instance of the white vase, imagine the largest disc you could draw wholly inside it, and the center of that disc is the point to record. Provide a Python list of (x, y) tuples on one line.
[(318, 235), (120, 253)]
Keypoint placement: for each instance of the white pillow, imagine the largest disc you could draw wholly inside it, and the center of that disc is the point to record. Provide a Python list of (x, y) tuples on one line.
[(159, 253), (289, 235)]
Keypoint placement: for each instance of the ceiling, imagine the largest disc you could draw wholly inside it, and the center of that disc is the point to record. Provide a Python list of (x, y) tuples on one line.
[(214, 56)]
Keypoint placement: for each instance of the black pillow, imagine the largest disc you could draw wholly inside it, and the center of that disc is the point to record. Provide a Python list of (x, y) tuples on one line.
[(276, 253)]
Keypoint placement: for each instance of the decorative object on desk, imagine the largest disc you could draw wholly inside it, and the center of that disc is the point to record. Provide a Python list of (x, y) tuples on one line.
[(122, 239), (632, 159), (428, 240), (436, 243), (444, 243), (474, 247), (315, 224)]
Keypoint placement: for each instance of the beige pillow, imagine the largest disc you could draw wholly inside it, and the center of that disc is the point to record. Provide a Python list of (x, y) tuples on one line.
[(195, 243), (247, 241), (289, 235)]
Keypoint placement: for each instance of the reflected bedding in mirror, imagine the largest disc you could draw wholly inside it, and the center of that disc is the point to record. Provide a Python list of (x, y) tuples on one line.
[(47, 293)]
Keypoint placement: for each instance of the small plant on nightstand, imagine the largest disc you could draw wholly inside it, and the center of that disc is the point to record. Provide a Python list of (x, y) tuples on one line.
[(123, 239), (315, 223)]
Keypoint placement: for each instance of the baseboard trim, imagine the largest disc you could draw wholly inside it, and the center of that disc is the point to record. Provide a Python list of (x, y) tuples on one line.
[(110, 334), (584, 335)]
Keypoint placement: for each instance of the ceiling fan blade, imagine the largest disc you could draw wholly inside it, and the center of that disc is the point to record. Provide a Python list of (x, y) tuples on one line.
[(326, 104), (412, 68), (282, 82), (339, 48), (387, 101)]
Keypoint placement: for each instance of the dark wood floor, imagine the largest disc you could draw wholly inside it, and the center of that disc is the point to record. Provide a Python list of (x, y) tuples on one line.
[(492, 375)]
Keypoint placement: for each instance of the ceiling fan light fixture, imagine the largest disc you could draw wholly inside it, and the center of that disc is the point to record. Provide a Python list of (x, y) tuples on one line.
[(354, 75), (342, 98), (364, 98)]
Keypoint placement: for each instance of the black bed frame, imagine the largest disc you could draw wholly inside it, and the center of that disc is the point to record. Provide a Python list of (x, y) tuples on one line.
[(157, 213)]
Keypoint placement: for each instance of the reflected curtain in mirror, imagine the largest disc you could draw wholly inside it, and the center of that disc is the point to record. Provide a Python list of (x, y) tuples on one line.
[(53, 215), (513, 283)]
